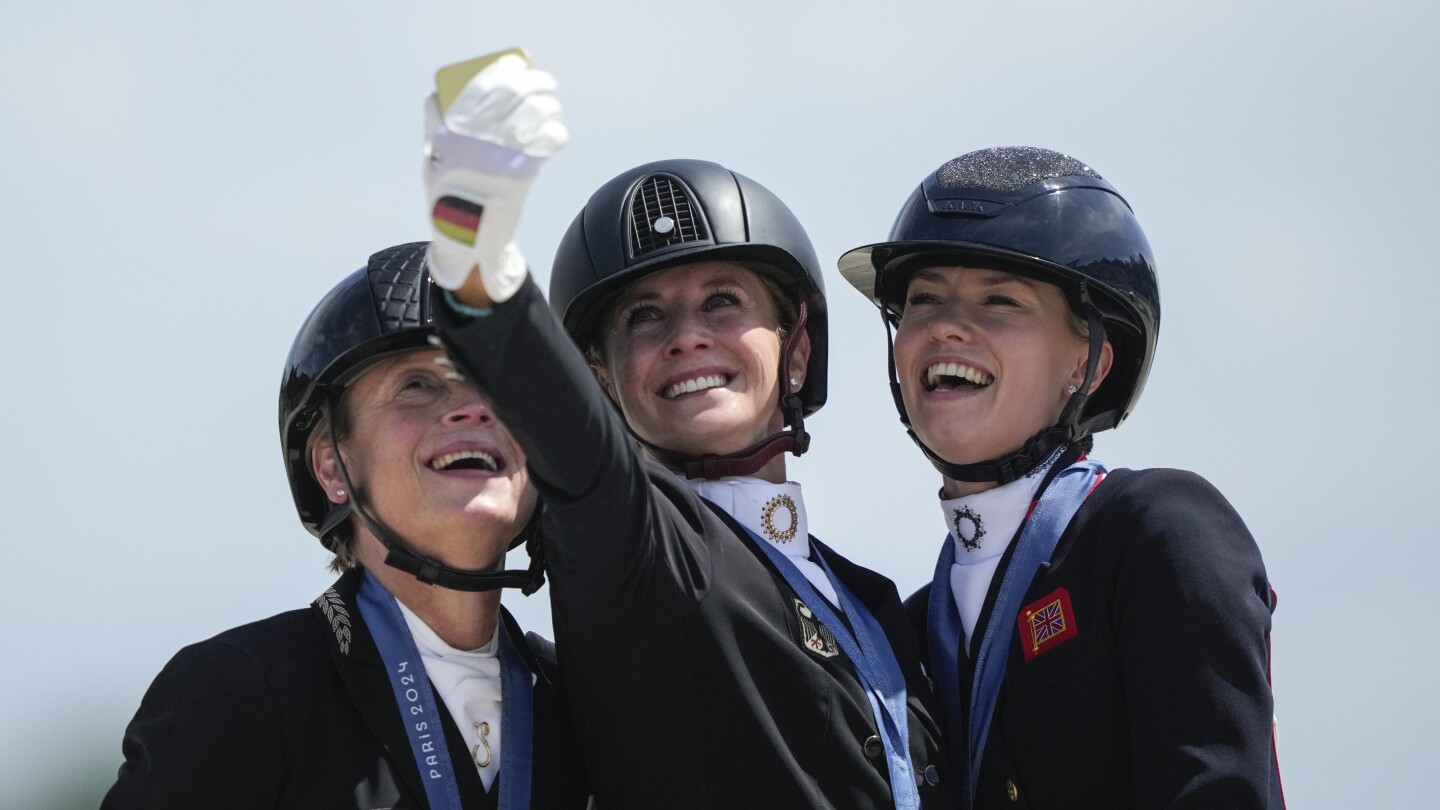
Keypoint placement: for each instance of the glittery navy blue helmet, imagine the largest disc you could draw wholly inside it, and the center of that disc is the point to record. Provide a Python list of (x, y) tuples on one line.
[(1044, 215), (673, 212), (379, 310)]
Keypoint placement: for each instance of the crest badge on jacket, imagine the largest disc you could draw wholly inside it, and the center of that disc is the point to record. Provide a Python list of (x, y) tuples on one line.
[(816, 636)]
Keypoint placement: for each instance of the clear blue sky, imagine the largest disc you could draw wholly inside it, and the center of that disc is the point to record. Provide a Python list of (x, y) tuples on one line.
[(180, 182)]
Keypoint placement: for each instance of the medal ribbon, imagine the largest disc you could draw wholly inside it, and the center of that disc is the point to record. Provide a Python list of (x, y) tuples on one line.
[(874, 661), (1036, 543), (419, 711)]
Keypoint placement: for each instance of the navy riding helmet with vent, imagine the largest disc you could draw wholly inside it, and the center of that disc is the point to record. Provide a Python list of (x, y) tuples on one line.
[(1046, 216), (379, 310), (673, 212)]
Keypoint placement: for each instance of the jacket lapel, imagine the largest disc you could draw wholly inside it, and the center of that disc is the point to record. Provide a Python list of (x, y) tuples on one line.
[(357, 660)]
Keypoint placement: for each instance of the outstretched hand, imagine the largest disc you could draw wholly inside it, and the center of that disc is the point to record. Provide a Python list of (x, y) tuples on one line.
[(481, 154)]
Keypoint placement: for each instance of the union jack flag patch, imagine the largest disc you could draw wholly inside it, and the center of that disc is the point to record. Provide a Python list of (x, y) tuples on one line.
[(1047, 623)]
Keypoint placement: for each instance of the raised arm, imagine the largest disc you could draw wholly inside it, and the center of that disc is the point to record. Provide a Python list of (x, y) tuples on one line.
[(609, 512)]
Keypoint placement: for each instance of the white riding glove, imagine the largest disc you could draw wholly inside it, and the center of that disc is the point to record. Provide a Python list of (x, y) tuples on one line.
[(480, 157)]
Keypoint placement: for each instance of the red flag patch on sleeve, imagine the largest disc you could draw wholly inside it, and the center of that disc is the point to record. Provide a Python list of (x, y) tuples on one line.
[(1046, 623)]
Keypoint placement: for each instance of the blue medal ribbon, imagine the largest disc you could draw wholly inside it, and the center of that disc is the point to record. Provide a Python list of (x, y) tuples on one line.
[(870, 653), (967, 727), (419, 711)]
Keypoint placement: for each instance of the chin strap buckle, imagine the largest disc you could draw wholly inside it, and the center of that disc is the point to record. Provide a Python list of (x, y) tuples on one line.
[(797, 424), (429, 571)]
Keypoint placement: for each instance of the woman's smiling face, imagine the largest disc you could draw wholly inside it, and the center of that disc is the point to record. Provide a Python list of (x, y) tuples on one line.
[(691, 354), (433, 460), (985, 358)]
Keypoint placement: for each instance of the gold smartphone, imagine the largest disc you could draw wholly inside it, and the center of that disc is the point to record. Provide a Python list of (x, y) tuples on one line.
[(451, 79)]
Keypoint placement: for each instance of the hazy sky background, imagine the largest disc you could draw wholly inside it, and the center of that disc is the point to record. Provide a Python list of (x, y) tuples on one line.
[(181, 182)]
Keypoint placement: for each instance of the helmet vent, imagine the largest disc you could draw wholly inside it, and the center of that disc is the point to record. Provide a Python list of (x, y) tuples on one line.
[(662, 215), (1009, 168), (396, 289)]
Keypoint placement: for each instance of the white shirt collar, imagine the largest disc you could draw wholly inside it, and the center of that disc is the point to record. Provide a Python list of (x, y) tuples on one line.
[(432, 646), (776, 512), (983, 524)]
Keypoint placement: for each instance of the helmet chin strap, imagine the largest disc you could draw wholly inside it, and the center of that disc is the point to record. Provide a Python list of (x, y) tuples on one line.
[(1037, 448), (433, 572), (753, 458)]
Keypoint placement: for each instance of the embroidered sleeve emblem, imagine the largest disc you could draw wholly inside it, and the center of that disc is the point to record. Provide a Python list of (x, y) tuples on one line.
[(767, 518), (815, 636), (964, 518), (333, 607), (1047, 623)]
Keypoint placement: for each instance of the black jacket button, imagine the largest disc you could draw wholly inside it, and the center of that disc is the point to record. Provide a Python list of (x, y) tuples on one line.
[(872, 746), (932, 776)]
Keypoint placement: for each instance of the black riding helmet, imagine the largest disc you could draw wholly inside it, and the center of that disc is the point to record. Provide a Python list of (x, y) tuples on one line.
[(673, 212), (1047, 216), (379, 310)]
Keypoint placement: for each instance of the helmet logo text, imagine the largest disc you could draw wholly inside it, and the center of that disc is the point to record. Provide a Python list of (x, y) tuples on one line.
[(981, 207)]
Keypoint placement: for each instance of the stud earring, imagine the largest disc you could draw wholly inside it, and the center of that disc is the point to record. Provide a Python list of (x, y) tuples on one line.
[(1071, 389), (339, 493), (794, 383)]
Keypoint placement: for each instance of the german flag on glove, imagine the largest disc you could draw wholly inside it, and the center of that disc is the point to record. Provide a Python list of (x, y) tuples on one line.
[(456, 218)]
